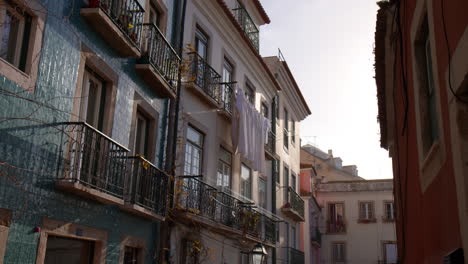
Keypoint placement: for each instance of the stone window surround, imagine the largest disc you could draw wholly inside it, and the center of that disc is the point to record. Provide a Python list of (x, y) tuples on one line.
[(27, 79), (384, 217), (162, 9), (364, 220), (142, 106), (91, 60), (331, 250), (134, 242), (431, 162), (5, 221), (71, 230)]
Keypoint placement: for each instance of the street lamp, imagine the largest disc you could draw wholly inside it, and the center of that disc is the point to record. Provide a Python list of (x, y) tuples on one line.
[(258, 254)]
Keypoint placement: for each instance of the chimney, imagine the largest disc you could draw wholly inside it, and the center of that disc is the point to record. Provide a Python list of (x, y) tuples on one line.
[(330, 152)]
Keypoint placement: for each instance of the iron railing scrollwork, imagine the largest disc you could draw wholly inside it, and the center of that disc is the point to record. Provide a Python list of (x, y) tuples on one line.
[(204, 76), (248, 26), (92, 159), (127, 15), (199, 198), (227, 96), (296, 202), (160, 54), (146, 185)]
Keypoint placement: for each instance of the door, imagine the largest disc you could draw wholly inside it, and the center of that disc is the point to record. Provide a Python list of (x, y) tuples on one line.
[(61, 250)]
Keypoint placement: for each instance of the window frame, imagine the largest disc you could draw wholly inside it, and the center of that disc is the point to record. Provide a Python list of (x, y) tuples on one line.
[(385, 217), (196, 146), (202, 37), (285, 129), (369, 216), (430, 161), (264, 110), (384, 250), (227, 164), (26, 78), (134, 242), (263, 200), (249, 92), (334, 257), (242, 182)]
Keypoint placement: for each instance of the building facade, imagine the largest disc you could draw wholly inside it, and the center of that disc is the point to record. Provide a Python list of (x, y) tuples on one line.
[(85, 92), (355, 220), (421, 75), (223, 205)]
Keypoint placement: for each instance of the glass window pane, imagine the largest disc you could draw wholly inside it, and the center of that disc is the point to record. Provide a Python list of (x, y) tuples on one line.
[(195, 136)]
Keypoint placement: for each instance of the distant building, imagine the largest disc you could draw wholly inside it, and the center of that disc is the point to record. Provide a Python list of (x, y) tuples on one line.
[(421, 70), (356, 216)]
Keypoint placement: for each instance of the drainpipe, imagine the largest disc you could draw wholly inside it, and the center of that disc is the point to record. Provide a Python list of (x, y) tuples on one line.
[(177, 39)]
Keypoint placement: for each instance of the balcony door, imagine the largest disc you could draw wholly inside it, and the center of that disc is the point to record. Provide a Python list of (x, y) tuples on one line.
[(93, 100), (201, 47)]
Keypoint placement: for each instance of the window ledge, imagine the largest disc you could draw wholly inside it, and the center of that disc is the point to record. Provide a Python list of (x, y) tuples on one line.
[(367, 221)]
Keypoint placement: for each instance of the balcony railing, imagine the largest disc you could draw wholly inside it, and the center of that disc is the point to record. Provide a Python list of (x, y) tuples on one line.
[(160, 54), (316, 236), (196, 197), (248, 26), (92, 159), (146, 186), (270, 145), (226, 97), (127, 15), (294, 256), (294, 206), (336, 226), (204, 76)]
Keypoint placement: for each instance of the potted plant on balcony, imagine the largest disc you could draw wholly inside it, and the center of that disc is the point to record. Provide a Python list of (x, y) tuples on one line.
[(98, 4)]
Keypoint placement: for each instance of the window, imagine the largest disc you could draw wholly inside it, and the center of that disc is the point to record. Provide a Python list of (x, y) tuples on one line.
[(264, 110), (131, 255), (338, 253), (224, 169), (201, 43), (249, 93), (293, 131), (427, 95), (15, 28), (141, 134), (154, 15), (246, 181), (366, 211), (390, 252), (286, 182), (193, 152), (262, 193), (227, 76), (293, 181), (69, 250), (93, 102), (336, 218), (389, 211), (275, 107), (286, 129)]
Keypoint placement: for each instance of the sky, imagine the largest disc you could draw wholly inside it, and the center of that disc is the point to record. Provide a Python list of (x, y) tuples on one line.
[(328, 45)]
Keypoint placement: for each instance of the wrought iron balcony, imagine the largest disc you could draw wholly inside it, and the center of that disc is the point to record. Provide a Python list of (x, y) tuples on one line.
[(294, 207), (146, 189), (270, 145), (93, 164), (118, 22), (204, 76), (336, 226), (294, 256), (316, 236), (159, 62), (248, 26), (201, 199), (227, 96)]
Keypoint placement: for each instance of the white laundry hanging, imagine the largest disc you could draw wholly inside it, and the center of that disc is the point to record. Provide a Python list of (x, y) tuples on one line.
[(249, 132)]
